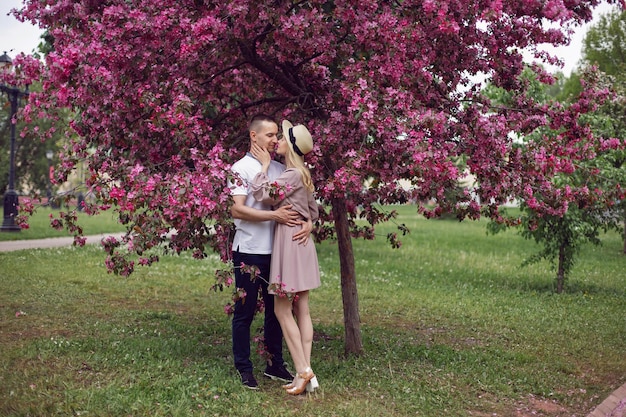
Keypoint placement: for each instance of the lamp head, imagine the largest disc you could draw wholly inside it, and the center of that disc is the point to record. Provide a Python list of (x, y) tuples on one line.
[(5, 61)]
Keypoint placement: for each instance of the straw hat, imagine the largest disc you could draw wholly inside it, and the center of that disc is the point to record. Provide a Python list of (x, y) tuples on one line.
[(298, 138)]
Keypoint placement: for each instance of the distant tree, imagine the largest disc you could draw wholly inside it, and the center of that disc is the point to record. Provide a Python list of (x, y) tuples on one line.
[(31, 164), (604, 44), (568, 88)]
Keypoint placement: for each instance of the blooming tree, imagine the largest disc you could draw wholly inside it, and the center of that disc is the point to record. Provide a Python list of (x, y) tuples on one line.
[(162, 92), (561, 234)]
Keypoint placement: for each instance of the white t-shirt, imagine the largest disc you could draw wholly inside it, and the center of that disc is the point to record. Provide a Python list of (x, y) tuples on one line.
[(253, 237)]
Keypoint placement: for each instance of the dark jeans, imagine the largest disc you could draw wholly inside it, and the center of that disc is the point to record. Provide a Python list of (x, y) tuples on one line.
[(245, 309)]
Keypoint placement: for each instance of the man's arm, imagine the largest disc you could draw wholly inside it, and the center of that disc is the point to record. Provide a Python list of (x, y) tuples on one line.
[(284, 214)]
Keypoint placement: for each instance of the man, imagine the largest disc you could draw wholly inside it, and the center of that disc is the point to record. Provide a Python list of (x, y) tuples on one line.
[(252, 245)]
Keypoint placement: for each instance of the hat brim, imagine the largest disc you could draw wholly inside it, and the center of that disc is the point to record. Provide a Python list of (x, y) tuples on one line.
[(286, 125)]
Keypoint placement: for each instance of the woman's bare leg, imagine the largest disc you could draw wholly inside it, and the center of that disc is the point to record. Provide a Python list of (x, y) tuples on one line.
[(291, 332), (305, 325)]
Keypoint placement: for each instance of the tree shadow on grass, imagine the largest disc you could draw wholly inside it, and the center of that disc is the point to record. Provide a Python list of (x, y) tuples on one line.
[(572, 287)]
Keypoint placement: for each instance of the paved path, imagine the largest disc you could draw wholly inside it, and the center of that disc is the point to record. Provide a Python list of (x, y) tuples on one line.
[(53, 242), (613, 406)]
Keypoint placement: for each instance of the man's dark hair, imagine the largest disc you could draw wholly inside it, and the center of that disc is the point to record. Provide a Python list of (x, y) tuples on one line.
[(258, 118)]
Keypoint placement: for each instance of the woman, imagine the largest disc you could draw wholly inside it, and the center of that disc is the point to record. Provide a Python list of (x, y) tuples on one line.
[(294, 268)]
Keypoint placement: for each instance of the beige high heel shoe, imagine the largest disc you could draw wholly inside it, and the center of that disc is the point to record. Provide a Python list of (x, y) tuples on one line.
[(310, 387), (301, 382)]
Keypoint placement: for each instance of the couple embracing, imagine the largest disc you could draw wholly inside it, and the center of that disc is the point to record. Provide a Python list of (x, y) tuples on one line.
[(273, 211)]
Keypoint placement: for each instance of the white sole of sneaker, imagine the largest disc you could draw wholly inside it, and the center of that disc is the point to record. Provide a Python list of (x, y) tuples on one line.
[(276, 378)]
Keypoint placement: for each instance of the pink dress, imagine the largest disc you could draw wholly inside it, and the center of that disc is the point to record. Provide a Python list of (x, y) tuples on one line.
[(294, 266)]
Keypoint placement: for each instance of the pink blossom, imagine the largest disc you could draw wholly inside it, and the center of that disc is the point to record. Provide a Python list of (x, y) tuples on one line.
[(229, 309), (429, 6)]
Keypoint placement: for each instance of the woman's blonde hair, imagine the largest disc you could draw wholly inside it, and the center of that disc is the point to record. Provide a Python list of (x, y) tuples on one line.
[(298, 164)]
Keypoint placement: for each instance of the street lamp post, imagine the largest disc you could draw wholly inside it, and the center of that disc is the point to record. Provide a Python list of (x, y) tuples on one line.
[(49, 155), (11, 200)]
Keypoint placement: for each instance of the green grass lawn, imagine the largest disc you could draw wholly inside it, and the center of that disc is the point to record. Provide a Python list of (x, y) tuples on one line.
[(451, 325), (39, 225)]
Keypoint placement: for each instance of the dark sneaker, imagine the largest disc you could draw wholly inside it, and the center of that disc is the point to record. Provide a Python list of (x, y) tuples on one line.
[(247, 379), (278, 373)]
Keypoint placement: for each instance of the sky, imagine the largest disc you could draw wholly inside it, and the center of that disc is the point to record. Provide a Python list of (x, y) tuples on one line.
[(17, 37)]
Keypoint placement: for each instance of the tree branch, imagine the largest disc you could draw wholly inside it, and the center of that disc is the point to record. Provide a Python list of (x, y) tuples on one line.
[(225, 70)]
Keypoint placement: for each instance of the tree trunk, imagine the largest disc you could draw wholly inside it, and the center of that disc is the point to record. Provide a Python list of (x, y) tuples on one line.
[(624, 235), (560, 276), (351, 319)]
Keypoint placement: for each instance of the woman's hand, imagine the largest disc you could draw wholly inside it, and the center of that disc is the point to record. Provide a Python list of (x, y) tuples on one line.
[(302, 236), (262, 155)]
